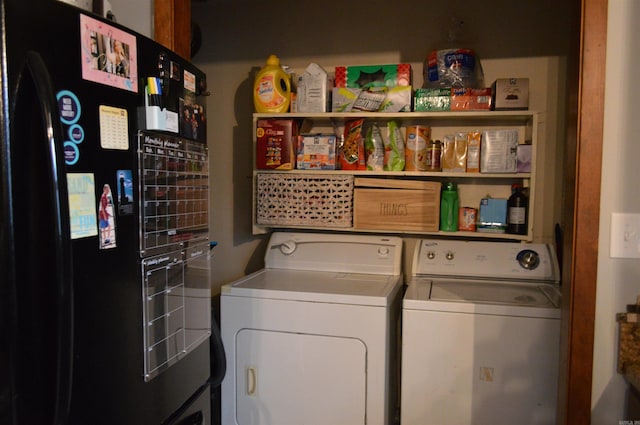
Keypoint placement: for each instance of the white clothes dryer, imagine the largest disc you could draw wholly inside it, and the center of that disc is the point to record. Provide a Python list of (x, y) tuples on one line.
[(312, 337), (481, 334)]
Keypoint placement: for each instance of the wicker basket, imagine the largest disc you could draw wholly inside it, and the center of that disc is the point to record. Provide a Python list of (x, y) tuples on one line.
[(302, 199), (629, 341)]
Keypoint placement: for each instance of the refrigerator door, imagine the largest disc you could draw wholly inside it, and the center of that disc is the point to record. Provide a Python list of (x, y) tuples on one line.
[(38, 254), (96, 113)]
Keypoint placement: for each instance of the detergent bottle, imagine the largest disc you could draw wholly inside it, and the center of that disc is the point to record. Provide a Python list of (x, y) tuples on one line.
[(272, 88)]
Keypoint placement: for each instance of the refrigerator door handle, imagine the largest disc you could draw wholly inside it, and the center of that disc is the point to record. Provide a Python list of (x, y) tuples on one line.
[(36, 70), (218, 355)]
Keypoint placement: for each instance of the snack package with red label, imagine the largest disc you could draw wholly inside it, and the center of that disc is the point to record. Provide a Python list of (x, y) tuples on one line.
[(352, 149)]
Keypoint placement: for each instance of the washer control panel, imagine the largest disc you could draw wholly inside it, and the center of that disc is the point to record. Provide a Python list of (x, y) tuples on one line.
[(348, 253), (481, 259)]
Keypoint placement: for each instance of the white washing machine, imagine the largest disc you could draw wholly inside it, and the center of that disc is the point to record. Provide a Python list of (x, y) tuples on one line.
[(480, 334), (312, 337)]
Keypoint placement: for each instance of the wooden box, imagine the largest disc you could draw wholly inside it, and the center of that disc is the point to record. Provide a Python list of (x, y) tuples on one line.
[(396, 205)]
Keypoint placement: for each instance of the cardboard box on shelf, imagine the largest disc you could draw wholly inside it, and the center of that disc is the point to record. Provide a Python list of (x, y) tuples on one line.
[(436, 99), (493, 215), (510, 93), (524, 158), (313, 90), (343, 98), (397, 99), (466, 99), (316, 152), (499, 151), (275, 144), (383, 99), (365, 76)]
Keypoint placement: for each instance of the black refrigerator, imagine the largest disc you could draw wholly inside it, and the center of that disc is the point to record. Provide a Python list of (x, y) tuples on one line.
[(105, 308)]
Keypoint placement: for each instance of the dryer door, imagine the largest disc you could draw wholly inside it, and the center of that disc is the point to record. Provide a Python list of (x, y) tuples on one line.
[(290, 378)]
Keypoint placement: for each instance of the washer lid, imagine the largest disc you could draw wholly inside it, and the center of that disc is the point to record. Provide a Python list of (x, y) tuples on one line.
[(315, 286), (523, 295), (483, 297)]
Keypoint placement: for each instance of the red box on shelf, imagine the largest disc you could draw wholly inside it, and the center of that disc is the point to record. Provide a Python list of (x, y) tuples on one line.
[(365, 76), (466, 99), (275, 144)]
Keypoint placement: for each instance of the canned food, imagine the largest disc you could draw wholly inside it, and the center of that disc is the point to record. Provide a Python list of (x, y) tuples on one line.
[(434, 152)]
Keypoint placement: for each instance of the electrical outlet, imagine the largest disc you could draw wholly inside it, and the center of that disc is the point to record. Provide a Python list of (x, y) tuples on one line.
[(625, 235)]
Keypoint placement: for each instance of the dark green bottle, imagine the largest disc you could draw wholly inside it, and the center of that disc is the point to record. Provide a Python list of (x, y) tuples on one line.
[(517, 211)]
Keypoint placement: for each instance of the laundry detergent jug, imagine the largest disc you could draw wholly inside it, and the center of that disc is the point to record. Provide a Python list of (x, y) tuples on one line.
[(272, 88)]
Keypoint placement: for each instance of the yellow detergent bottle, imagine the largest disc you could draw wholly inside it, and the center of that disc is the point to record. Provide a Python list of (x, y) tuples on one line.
[(272, 88)]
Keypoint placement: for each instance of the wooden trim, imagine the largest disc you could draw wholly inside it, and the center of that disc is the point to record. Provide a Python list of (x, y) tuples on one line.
[(172, 25), (582, 215)]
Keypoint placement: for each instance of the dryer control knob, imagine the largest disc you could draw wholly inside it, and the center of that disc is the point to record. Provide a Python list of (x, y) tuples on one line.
[(528, 259), (431, 255), (288, 247), (383, 251), (449, 255)]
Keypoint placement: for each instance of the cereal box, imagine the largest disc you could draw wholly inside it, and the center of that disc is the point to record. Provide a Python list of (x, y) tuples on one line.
[(275, 144)]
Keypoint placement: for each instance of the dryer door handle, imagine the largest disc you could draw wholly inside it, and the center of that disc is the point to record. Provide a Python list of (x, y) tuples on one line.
[(252, 380)]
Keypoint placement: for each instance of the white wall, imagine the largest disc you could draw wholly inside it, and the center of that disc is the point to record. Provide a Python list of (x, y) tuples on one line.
[(618, 279), (134, 14)]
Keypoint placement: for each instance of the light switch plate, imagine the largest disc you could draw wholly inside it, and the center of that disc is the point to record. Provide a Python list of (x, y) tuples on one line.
[(625, 235)]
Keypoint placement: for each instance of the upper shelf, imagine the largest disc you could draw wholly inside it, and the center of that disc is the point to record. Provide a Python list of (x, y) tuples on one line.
[(412, 174), (455, 115)]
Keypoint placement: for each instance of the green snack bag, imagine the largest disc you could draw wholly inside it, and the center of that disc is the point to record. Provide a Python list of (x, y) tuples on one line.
[(374, 148), (393, 148)]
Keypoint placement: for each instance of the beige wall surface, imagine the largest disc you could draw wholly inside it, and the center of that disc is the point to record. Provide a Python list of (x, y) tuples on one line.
[(618, 282), (511, 40), (524, 39)]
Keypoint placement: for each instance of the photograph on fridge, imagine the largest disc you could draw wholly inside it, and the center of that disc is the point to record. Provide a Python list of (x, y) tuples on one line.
[(109, 54), (106, 219)]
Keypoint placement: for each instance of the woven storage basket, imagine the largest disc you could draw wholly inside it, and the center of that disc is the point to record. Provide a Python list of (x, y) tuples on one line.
[(301, 199), (629, 342)]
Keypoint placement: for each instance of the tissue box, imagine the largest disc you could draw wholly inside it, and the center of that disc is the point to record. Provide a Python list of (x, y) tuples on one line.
[(391, 75), (510, 93), (342, 98), (493, 215), (397, 99), (383, 99)]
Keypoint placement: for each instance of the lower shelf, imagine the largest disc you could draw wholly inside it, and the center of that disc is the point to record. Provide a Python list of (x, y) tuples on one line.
[(344, 202), (259, 230)]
